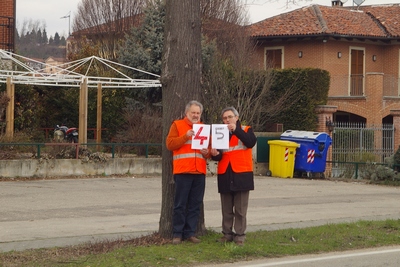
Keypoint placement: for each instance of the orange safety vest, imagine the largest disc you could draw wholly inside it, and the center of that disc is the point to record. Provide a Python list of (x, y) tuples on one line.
[(186, 159), (238, 155)]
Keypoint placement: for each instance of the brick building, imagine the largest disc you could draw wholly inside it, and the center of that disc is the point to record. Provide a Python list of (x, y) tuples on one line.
[(359, 47), (7, 24)]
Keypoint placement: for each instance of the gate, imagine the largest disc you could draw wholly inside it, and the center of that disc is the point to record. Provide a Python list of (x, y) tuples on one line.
[(359, 142)]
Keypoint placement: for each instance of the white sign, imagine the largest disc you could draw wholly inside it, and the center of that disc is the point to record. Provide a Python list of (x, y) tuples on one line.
[(220, 136), (201, 137)]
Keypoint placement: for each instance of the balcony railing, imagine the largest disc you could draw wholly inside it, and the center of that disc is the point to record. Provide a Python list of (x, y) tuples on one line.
[(391, 85), (340, 86), (356, 85)]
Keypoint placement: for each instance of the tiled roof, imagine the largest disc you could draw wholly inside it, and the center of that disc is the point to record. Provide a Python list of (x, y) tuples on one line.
[(388, 16), (378, 21)]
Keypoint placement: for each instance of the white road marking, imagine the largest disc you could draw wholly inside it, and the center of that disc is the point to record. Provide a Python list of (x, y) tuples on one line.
[(325, 258)]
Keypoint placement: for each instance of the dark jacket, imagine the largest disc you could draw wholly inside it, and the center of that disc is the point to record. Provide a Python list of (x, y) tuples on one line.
[(231, 181)]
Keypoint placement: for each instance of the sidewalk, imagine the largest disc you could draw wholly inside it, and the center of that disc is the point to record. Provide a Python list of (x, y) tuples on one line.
[(47, 213)]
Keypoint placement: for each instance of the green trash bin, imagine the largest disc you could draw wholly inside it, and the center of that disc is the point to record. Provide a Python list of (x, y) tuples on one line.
[(282, 158), (263, 147)]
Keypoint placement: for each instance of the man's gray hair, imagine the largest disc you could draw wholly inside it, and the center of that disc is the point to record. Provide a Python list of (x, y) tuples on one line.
[(191, 103), (235, 112)]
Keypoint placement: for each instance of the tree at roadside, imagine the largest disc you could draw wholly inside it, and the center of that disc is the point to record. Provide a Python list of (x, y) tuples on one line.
[(181, 81)]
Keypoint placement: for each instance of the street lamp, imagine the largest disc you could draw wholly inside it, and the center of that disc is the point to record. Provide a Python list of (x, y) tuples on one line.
[(329, 124)]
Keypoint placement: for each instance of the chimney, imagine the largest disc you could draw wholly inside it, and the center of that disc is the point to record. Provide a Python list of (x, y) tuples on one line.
[(337, 3)]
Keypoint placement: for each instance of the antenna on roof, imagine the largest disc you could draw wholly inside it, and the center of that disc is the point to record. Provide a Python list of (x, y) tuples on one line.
[(358, 2)]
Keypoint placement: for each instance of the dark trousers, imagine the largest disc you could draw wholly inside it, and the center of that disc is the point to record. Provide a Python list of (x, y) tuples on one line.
[(189, 194), (234, 212)]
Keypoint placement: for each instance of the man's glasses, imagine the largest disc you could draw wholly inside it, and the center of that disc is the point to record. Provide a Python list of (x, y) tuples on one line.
[(228, 117)]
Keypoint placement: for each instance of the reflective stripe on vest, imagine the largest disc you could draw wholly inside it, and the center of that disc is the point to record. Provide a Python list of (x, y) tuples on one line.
[(239, 156), (238, 146), (186, 159), (188, 155)]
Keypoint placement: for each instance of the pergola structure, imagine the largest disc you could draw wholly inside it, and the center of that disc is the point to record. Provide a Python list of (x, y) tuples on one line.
[(14, 69)]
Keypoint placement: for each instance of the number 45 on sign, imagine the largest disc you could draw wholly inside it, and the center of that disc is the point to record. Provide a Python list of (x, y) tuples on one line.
[(219, 134)]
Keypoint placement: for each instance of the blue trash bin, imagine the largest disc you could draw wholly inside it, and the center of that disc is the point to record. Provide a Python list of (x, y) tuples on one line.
[(311, 155)]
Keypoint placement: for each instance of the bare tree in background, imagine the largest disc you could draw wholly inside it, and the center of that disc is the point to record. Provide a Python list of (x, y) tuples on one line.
[(249, 90), (105, 22), (229, 11), (222, 22), (233, 81), (31, 25), (287, 3), (181, 81), (230, 81)]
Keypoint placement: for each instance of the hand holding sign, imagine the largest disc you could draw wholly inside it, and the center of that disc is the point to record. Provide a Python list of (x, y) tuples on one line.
[(220, 136), (201, 137)]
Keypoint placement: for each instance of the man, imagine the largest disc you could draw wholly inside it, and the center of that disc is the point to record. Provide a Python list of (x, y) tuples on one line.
[(189, 169), (235, 177)]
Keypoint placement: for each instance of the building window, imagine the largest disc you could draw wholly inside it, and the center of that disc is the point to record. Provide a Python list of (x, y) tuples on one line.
[(274, 57), (357, 72)]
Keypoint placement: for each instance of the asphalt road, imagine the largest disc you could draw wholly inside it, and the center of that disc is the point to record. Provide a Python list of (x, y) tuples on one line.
[(47, 213), (374, 257)]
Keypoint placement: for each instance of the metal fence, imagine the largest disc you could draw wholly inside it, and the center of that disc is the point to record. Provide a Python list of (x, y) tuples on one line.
[(359, 142)]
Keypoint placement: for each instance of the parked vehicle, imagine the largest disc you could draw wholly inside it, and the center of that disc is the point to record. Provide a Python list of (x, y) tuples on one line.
[(63, 133)]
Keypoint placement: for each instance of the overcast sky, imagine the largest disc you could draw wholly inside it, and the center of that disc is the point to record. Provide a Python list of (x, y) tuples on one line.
[(49, 12)]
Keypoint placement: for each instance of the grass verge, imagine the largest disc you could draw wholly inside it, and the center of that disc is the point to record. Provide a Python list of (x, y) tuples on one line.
[(152, 250)]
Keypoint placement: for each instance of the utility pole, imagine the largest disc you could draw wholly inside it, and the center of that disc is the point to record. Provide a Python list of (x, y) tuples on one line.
[(69, 22)]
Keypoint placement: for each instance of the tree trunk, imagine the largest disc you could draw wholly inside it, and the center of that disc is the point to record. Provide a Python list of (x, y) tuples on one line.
[(180, 78)]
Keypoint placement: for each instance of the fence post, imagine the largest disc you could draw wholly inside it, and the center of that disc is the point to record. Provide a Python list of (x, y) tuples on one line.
[(38, 151)]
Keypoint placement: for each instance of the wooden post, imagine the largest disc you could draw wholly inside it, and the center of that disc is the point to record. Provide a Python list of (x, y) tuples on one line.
[(99, 114), (83, 107), (10, 109)]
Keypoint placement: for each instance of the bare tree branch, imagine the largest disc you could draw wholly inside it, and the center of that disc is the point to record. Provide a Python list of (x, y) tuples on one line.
[(106, 21)]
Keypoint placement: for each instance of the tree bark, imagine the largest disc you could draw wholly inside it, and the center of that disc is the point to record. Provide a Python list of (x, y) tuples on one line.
[(181, 82)]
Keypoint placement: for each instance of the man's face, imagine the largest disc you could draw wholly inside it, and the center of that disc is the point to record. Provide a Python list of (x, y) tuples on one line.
[(194, 114), (228, 117)]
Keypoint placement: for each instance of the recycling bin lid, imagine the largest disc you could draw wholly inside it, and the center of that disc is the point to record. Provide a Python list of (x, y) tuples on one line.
[(283, 143), (303, 134)]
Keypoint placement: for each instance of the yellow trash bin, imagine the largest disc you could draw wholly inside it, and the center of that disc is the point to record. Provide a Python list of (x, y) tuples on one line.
[(281, 158)]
